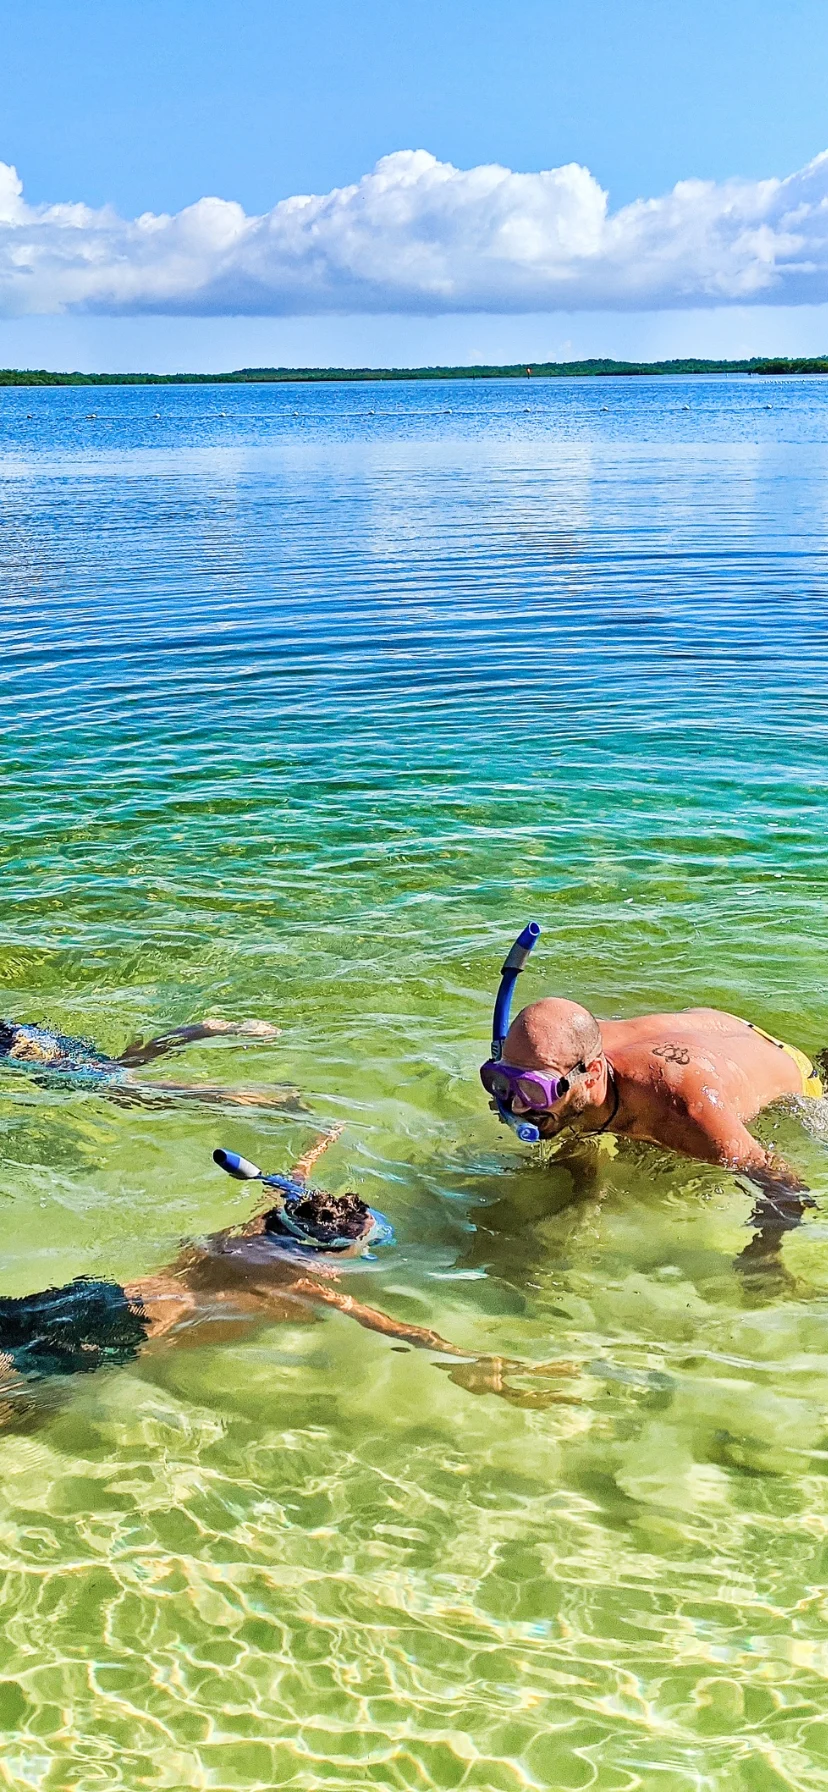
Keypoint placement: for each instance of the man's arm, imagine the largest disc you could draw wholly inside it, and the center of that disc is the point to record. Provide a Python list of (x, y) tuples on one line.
[(725, 1140), (783, 1196)]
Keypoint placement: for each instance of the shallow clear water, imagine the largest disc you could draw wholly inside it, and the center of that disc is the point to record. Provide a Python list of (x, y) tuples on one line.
[(309, 699)]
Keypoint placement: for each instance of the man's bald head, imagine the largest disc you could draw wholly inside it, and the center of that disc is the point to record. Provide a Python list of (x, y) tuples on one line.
[(553, 1035)]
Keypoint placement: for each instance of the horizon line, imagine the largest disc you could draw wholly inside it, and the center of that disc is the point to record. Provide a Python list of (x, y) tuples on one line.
[(592, 367)]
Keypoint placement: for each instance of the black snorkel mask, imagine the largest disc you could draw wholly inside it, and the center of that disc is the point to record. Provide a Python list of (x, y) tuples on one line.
[(509, 974), (292, 1194)]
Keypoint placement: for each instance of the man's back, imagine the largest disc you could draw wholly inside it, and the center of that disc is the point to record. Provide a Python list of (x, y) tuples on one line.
[(690, 1081), (680, 1058)]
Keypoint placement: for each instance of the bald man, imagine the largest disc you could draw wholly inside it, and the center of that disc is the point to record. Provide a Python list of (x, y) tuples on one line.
[(689, 1081)]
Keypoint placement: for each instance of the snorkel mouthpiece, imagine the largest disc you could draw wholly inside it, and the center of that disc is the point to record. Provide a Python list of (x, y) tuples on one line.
[(511, 969), (526, 1132)]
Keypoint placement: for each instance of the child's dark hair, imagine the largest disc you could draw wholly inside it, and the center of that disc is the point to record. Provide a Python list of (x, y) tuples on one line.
[(330, 1218)]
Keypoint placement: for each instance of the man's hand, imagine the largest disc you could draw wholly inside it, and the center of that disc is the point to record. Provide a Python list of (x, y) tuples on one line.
[(781, 1188), (783, 1200)]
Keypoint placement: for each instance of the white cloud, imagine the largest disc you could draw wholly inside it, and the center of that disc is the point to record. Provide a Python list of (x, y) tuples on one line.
[(418, 235)]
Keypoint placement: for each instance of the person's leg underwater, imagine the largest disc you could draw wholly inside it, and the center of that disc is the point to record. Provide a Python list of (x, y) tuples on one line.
[(141, 1052)]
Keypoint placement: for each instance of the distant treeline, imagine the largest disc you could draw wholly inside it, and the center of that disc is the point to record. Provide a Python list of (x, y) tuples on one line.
[(545, 370)]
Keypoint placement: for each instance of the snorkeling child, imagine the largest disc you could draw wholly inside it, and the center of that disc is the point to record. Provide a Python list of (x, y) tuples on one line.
[(281, 1265), (55, 1058)]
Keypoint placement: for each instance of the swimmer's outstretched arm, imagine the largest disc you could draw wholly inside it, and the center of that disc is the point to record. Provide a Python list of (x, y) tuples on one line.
[(308, 1289), (304, 1164), (144, 1051), (477, 1374), (299, 1173)]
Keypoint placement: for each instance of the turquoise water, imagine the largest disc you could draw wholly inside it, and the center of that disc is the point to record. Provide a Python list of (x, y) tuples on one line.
[(309, 699)]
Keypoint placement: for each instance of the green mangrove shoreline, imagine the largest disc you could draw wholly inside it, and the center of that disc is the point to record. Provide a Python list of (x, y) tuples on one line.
[(12, 376)]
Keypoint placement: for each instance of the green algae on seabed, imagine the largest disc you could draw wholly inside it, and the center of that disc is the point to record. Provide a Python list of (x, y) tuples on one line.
[(302, 719)]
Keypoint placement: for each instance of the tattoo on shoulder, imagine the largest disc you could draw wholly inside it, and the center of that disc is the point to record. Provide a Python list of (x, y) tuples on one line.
[(672, 1053)]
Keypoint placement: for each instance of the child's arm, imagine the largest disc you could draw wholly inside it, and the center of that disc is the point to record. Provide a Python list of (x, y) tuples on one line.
[(300, 1172), (478, 1374), (304, 1164), (306, 1288)]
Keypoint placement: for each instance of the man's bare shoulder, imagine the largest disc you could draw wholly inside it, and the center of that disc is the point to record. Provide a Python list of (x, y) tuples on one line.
[(672, 1057), (693, 1034), (698, 1023), (671, 1068), (699, 1057)]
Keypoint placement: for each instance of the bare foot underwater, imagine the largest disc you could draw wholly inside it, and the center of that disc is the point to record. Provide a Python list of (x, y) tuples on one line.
[(690, 1081), (57, 1058), (285, 1264)]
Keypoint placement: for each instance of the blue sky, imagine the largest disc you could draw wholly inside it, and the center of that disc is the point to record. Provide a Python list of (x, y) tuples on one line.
[(152, 108)]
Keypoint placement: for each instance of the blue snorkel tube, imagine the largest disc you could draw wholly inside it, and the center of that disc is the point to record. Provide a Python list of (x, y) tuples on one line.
[(509, 974)]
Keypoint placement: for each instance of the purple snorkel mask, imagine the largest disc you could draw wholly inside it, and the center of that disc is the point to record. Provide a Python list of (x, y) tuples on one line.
[(533, 1088)]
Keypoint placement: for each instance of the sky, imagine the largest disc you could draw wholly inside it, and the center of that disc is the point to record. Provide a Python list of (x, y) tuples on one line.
[(542, 179)]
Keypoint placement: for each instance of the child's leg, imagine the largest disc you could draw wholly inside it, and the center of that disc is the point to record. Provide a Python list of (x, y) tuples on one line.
[(163, 1301), (210, 1094), (143, 1052)]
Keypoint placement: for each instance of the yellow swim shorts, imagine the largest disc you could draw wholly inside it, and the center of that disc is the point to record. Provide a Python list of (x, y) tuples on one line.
[(811, 1083)]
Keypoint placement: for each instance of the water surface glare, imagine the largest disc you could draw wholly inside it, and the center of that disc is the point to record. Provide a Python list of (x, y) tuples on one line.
[(309, 698)]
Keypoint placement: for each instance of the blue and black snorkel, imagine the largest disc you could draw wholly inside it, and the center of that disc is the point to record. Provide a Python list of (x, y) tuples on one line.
[(514, 964), (296, 1195)]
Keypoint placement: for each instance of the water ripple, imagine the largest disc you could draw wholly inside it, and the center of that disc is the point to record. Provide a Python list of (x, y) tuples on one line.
[(303, 708)]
